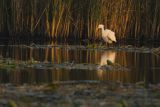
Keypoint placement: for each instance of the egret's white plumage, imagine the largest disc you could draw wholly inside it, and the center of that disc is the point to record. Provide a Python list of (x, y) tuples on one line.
[(107, 35)]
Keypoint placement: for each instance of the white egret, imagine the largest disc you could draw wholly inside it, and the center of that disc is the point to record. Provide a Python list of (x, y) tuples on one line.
[(107, 35)]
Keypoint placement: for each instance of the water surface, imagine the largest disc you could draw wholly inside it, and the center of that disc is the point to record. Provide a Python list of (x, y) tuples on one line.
[(142, 66)]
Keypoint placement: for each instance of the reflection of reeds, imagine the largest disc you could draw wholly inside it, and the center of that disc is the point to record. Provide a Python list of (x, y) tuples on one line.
[(63, 18), (143, 66)]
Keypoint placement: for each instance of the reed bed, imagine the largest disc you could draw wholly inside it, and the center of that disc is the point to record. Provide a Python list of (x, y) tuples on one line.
[(139, 19)]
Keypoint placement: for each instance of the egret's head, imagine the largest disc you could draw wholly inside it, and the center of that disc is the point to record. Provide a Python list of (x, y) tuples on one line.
[(100, 26)]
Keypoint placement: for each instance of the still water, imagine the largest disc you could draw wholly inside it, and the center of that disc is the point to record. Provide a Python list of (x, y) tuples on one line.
[(142, 66)]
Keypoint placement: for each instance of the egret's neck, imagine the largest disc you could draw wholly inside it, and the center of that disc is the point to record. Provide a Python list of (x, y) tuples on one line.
[(102, 29)]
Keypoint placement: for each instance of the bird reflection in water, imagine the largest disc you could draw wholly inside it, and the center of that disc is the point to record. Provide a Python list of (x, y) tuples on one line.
[(107, 55)]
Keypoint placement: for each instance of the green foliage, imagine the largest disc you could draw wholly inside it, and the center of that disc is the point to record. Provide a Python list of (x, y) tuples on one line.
[(121, 103), (7, 66), (110, 63), (124, 103), (51, 88), (11, 103), (140, 84)]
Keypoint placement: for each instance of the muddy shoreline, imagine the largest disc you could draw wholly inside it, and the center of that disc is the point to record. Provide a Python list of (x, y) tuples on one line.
[(96, 94)]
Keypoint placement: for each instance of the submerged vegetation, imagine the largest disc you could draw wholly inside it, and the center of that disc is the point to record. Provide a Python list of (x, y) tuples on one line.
[(139, 19)]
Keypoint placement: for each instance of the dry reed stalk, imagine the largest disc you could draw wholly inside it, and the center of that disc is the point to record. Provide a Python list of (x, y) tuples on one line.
[(79, 19)]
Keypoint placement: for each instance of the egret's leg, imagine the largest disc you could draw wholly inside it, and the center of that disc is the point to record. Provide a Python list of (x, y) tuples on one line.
[(107, 44)]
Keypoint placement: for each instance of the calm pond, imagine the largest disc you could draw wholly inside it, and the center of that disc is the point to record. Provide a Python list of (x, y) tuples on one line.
[(141, 66)]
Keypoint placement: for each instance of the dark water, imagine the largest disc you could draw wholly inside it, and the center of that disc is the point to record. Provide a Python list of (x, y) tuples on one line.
[(143, 66)]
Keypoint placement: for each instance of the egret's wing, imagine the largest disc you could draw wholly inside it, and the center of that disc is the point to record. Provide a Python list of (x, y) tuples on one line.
[(111, 35), (105, 36)]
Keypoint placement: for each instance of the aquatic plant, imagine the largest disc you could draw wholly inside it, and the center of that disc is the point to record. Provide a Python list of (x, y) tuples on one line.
[(51, 88), (11, 103), (7, 64)]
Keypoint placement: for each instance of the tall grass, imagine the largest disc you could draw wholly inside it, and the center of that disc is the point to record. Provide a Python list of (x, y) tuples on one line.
[(79, 18)]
